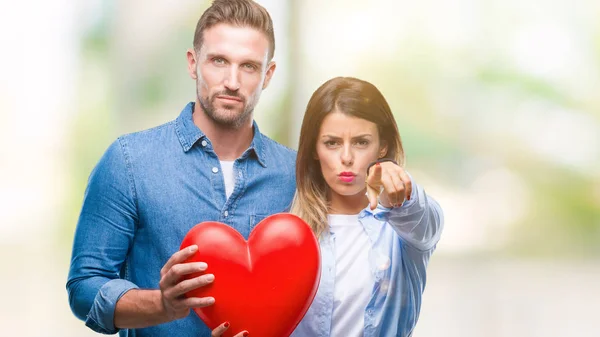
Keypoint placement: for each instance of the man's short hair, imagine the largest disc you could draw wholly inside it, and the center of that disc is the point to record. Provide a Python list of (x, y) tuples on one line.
[(241, 13)]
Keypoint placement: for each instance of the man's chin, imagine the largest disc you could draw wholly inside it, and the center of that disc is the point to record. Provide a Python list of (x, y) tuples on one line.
[(227, 109), (228, 119)]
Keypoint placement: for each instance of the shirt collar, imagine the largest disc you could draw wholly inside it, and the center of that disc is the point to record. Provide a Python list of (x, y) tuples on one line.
[(372, 220), (189, 134)]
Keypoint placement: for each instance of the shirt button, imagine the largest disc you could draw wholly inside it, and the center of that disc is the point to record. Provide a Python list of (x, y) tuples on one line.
[(204, 143), (215, 170), (225, 214)]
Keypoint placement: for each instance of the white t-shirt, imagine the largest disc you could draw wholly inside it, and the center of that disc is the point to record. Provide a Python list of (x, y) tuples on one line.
[(229, 176), (353, 278)]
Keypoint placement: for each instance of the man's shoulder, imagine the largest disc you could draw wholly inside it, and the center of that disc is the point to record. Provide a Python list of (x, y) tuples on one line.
[(157, 135), (147, 144), (170, 130), (278, 149), (150, 133)]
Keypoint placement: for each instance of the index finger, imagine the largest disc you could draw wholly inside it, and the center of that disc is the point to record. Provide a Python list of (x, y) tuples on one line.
[(374, 185), (178, 257), (374, 179), (218, 331), (372, 195)]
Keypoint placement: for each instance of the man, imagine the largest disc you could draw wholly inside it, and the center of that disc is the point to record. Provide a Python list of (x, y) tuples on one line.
[(151, 187)]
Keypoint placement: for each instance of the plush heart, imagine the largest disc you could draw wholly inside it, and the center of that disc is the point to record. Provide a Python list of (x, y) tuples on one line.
[(264, 285)]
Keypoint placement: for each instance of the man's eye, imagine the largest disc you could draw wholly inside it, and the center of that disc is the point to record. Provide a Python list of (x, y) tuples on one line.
[(249, 66), (218, 60)]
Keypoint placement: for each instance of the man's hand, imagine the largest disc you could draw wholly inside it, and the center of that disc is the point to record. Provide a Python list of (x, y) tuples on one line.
[(389, 180), (173, 288), (139, 308)]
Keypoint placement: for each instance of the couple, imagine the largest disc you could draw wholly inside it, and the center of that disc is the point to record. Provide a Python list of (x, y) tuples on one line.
[(376, 226)]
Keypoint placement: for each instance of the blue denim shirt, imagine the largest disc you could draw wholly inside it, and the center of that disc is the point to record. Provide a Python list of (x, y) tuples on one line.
[(402, 241), (147, 191)]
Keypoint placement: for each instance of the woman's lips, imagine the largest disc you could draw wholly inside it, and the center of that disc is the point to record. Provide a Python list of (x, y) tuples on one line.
[(347, 177)]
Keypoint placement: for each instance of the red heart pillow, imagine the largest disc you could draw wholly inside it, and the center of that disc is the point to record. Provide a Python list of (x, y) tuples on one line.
[(264, 285)]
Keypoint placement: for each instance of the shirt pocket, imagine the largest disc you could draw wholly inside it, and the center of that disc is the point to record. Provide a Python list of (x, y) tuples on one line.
[(255, 219)]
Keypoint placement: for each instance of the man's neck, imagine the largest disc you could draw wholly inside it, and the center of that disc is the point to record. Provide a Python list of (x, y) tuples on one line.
[(228, 143)]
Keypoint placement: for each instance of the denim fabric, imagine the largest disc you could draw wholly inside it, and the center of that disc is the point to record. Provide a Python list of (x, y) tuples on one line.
[(402, 241), (146, 192)]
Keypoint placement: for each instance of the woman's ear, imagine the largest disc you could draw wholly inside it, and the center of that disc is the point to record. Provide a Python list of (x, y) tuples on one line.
[(383, 149)]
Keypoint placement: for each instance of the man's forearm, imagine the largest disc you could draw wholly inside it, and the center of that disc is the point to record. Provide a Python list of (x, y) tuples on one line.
[(140, 309)]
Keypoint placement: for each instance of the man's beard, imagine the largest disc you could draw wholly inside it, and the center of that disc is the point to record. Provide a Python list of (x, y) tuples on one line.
[(227, 118)]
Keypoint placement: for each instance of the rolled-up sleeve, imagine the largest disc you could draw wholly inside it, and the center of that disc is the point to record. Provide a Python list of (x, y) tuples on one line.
[(103, 237), (419, 221)]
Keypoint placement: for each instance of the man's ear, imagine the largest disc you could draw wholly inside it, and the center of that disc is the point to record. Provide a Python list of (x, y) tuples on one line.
[(270, 70), (192, 63)]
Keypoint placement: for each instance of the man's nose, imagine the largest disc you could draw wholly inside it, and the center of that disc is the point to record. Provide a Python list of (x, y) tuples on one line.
[(232, 81)]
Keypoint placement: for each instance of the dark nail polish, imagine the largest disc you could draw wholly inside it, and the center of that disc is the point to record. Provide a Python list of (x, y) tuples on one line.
[(226, 324), (246, 334)]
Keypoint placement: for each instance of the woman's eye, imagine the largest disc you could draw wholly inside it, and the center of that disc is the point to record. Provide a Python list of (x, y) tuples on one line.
[(330, 143)]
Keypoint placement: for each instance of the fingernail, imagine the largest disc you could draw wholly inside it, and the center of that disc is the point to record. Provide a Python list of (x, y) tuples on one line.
[(245, 334), (210, 277), (202, 265), (226, 324), (210, 300), (193, 248)]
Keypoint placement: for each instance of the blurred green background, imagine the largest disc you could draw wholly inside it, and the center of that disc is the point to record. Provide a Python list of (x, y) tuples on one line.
[(498, 105)]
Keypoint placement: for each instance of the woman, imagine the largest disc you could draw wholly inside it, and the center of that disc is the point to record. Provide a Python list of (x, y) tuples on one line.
[(376, 227)]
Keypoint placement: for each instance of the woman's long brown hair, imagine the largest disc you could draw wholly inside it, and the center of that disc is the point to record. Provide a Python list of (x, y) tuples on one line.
[(355, 98)]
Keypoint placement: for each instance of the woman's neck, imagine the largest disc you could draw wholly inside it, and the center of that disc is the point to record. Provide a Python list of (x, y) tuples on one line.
[(347, 204)]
